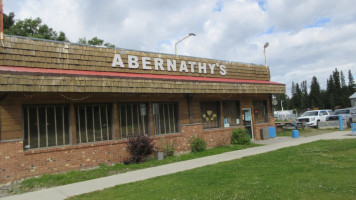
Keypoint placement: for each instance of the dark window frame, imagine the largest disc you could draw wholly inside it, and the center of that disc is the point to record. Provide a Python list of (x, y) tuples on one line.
[(105, 122), (59, 121), (231, 121), (123, 114), (173, 121), (206, 117), (257, 111)]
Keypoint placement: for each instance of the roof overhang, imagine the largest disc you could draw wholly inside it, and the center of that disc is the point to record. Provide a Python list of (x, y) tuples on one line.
[(29, 79)]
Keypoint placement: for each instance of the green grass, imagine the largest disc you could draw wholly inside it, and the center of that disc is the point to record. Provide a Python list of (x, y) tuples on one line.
[(318, 170), (46, 181), (308, 131)]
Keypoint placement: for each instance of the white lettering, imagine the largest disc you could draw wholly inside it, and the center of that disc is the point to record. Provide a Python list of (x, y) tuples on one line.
[(133, 62), (183, 66), (212, 66), (145, 62), (117, 61), (171, 65), (158, 63), (192, 65), (202, 67), (222, 70)]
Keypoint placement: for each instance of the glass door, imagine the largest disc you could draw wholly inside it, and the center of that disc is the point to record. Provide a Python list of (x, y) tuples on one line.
[(247, 120)]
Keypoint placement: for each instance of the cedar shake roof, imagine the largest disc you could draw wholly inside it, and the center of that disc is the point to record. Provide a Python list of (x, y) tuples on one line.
[(30, 65)]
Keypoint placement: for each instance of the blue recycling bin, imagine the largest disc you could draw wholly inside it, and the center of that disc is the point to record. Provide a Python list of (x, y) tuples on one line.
[(295, 133), (353, 128), (340, 123), (272, 132)]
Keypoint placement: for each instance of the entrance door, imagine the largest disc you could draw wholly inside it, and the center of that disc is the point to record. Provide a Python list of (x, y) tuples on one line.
[(247, 119)]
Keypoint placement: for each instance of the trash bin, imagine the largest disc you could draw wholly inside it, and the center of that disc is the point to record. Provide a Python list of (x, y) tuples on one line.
[(295, 133), (265, 135), (272, 132), (353, 129)]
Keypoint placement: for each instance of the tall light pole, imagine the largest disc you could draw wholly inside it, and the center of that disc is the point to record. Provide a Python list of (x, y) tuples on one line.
[(190, 34), (264, 50)]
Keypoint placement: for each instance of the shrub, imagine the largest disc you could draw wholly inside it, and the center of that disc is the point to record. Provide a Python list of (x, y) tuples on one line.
[(240, 136), (197, 144), (139, 147), (169, 149), (165, 146)]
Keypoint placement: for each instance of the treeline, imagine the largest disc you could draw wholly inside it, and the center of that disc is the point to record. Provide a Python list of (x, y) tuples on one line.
[(36, 29), (336, 95)]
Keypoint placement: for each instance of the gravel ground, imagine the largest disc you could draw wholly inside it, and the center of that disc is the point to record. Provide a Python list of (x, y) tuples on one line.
[(9, 189)]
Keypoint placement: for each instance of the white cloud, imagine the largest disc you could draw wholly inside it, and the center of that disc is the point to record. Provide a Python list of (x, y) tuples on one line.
[(307, 38)]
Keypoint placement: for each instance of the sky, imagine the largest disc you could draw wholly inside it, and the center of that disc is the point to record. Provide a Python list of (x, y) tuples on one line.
[(306, 38)]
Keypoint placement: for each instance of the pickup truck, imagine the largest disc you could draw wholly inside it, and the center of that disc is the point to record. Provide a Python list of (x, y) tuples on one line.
[(313, 117), (348, 114)]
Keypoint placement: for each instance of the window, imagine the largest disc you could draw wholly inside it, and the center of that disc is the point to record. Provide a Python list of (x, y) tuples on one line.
[(260, 111), (133, 119), (46, 126), (231, 112), (165, 118), (210, 114), (323, 113), (94, 123)]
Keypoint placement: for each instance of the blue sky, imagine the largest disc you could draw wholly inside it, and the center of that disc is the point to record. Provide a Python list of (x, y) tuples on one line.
[(307, 38)]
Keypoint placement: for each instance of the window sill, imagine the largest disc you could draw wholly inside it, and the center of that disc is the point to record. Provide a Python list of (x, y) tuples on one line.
[(72, 147), (262, 123), (11, 140)]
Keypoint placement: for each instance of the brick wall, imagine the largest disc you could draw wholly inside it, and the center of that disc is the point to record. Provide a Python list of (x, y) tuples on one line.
[(15, 163)]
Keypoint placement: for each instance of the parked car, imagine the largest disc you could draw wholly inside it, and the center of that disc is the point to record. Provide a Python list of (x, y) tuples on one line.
[(314, 117), (348, 114)]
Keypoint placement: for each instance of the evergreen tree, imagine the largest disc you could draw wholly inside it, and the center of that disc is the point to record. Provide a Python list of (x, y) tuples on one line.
[(315, 94), (342, 78), (344, 92), (331, 101), (297, 98), (330, 90), (323, 99), (338, 96), (285, 101), (293, 89), (336, 78), (305, 96)]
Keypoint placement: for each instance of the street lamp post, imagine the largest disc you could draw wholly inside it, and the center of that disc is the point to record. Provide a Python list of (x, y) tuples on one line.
[(190, 34), (264, 50)]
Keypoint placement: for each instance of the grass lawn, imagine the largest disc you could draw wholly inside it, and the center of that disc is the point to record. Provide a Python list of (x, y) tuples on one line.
[(51, 180), (309, 131), (318, 170)]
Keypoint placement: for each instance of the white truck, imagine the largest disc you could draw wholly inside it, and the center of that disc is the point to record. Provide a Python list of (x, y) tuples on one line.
[(348, 114), (314, 117)]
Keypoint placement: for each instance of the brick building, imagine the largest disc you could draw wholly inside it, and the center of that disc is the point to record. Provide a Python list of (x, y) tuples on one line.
[(67, 106)]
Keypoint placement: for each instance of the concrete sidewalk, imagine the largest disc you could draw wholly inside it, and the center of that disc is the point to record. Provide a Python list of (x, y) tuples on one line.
[(63, 192)]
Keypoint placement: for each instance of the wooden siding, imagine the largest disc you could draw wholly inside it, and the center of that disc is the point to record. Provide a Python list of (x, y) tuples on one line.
[(29, 52), (33, 83)]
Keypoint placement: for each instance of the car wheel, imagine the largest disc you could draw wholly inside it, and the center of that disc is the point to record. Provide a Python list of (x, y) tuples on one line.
[(317, 124)]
